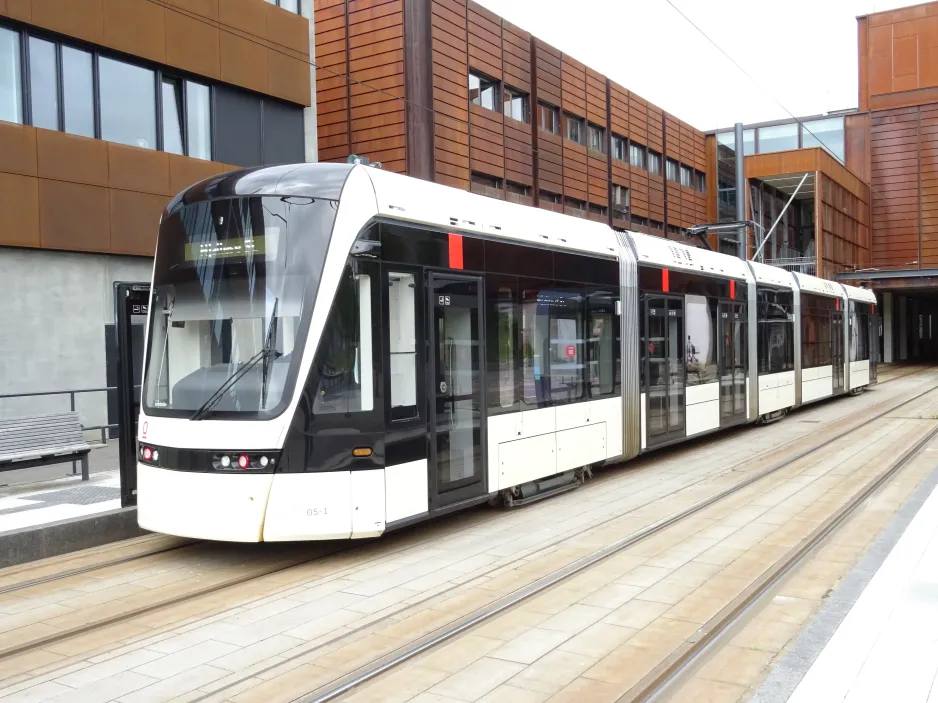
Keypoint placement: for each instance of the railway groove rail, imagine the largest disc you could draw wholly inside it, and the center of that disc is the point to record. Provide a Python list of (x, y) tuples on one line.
[(289, 569)]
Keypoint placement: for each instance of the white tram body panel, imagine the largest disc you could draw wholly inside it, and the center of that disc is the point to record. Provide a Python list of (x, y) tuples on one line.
[(858, 374), (406, 421)]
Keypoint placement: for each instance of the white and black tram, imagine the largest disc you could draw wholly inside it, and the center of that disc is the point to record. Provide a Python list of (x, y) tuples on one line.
[(334, 351)]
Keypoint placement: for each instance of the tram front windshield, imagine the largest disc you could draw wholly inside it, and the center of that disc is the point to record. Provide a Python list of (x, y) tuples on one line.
[(234, 285)]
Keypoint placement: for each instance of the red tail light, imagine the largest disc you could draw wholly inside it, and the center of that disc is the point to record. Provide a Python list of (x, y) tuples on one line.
[(243, 461)]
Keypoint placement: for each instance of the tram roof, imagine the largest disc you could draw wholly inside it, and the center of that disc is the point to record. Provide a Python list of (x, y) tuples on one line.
[(669, 254), (819, 286)]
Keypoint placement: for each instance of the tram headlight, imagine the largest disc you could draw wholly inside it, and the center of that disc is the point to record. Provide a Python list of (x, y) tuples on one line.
[(226, 461), (264, 461), (156, 455)]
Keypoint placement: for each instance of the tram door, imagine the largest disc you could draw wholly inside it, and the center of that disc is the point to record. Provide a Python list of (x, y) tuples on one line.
[(733, 363), (455, 390), (837, 350), (664, 369)]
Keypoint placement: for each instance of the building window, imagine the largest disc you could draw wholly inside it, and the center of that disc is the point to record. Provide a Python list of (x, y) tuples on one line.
[(597, 138), (637, 155), (517, 188), (548, 197), (655, 226), (63, 94), (172, 115), (701, 181), (482, 90), (638, 221), (78, 90), (600, 210), (575, 131), (515, 104), (673, 231), (654, 162), (621, 201), (673, 174), (198, 121), (548, 118), (128, 104), (486, 185), (575, 207), (781, 137), (827, 133), (618, 147), (11, 77), (288, 5), (687, 176)]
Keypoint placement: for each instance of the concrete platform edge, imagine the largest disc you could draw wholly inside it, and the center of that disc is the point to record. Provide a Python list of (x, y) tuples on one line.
[(787, 674), (66, 536)]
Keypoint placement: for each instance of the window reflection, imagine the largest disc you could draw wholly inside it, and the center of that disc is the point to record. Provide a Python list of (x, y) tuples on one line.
[(172, 116), (128, 104), (11, 95), (78, 87), (778, 138), (43, 84), (827, 133), (198, 120)]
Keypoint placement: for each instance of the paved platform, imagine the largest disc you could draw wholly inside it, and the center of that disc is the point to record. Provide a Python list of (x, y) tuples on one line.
[(886, 648), (60, 500)]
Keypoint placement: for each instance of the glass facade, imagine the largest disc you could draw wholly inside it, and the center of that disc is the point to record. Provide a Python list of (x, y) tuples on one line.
[(778, 138), (11, 81), (43, 84), (78, 89), (128, 103), (828, 133)]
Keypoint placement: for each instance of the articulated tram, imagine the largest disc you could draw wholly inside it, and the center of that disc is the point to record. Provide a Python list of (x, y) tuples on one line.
[(334, 351)]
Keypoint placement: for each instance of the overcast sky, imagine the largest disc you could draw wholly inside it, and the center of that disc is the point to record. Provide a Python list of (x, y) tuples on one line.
[(802, 52)]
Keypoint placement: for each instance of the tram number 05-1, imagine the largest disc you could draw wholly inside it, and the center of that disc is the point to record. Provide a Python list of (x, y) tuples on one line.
[(316, 512)]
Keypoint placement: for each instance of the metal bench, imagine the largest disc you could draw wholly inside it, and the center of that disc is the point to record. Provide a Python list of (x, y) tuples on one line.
[(40, 440)]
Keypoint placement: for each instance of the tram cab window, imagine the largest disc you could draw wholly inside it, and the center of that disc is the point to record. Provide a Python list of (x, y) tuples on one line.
[(402, 341), (344, 357), (775, 330)]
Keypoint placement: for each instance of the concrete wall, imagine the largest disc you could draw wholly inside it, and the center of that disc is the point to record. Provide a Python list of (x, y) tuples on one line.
[(55, 306)]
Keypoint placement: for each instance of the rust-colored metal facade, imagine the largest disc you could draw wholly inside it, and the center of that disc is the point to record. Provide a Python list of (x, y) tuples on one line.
[(893, 140), (419, 54), (66, 192)]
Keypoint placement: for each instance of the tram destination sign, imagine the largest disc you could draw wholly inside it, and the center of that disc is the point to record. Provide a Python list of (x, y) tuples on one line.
[(196, 251)]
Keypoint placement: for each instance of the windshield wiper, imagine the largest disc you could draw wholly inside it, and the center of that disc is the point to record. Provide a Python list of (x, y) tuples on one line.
[(268, 344), (265, 352)]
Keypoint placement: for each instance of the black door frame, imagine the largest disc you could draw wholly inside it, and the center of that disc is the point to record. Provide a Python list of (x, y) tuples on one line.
[(669, 436), (474, 489), (129, 299), (837, 340)]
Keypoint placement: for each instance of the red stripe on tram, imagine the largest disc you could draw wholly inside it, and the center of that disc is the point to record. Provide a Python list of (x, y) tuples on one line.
[(733, 290), (455, 251), (664, 280)]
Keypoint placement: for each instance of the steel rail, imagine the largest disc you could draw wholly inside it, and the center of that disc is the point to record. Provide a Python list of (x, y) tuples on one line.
[(90, 568), (368, 672), (670, 674)]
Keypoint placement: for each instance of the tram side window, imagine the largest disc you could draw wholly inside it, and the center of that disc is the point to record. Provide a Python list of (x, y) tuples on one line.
[(860, 314), (700, 347), (402, 341), (344, 357), (502, 339), (552, 342), (602, 350), (816, 330), (775, 334)]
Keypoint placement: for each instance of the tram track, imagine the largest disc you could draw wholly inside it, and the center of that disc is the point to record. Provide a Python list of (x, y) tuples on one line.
[(124, 616), (347, 684), (668, 676)]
